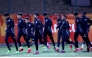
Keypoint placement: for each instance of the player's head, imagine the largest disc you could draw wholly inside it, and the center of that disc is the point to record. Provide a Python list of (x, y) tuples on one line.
[(75, 14), (19, 15), (27, 19), (6, 15), (83, 14), (36, 15), (45, 14), (64, 17), (59, 16)]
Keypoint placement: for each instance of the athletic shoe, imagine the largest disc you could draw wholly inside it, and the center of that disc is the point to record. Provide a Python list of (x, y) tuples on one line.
[(29, 50), (36, 52), (63, 51), (88, 49), (57, 49), (17, 52), (8, 51), (21, 49), (70, 46), (76, 50), (48, 45), (80, 48)]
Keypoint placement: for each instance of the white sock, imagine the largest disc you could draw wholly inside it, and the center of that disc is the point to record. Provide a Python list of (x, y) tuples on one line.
[(82, 46), (29, 48), (21, 47)]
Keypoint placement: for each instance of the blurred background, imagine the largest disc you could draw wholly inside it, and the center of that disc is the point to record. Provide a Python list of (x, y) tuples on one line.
[(50, 6)]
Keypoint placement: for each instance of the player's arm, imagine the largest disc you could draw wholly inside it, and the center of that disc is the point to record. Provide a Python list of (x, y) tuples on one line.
[(89, 22)]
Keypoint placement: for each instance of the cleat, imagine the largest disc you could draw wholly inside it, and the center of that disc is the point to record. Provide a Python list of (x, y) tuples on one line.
[(36, 52), (63, 51), (48, 45), (8, 51), (17, 52), (29, 50), (54, 48), (57, 49), (70, 46), (76, 50), (80, 48), (21, 49), (88, 49), (91, 49)]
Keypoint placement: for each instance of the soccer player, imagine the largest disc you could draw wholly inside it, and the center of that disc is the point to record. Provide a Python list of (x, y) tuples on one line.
[(22, 32), (85, 24), (38, 30), (59, 22), (47, 30), (10, 32), (65, 32), (78, 31), (29, 29)]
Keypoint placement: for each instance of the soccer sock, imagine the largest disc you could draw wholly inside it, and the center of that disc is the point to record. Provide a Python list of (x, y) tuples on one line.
[(21, 47), (82, 46)]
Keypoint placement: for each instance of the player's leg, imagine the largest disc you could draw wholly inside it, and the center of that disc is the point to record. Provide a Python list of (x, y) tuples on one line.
[(36, 42), (18, 40), (76, 34), (45, 36), (45, 41), (26, 40), (14, 40), (58, 41), (32, 36), (40, 38), (59, 36), (28, 37), (6, 41), (63, 39), (85, 40), (88, 43), (68, 41), (52, 39)]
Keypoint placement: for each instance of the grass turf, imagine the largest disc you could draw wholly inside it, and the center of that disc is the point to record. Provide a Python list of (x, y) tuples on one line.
[(43, 53)]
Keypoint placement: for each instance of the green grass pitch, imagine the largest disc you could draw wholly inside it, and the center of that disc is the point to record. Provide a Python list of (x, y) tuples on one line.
[(43, 53)]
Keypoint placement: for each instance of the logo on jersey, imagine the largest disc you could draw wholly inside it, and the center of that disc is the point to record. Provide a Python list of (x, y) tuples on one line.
[(77, 20), (46, 20), (59, 21), (85, 19), (36, 21), (29, 24), (9, 20), (19, 21)]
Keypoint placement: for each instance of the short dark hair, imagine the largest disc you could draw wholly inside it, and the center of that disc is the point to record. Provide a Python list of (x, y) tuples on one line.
[(36, 13), (65, 16), (76, 13), (6, 14), (84, 12), (45, 13), (19, 13), (59, 15)]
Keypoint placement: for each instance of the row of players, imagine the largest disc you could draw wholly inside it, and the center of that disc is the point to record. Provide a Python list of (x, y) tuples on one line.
[(37, 30)]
